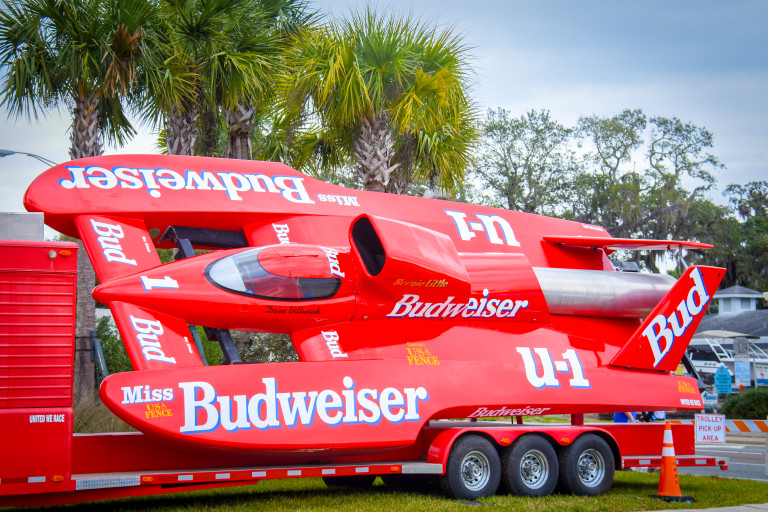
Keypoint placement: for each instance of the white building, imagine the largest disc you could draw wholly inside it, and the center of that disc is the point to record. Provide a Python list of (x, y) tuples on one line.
[(737, 299)]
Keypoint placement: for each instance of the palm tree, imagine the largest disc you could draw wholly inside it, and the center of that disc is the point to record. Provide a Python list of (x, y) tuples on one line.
[(184, 36), (212, 55), (82, 54), (391, 93), (274, 28)]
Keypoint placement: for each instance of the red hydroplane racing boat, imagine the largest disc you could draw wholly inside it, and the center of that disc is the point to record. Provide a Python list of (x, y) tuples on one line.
[(401, 309)]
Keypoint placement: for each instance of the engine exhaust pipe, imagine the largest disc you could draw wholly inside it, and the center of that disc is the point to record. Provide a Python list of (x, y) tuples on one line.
[(602, 293)]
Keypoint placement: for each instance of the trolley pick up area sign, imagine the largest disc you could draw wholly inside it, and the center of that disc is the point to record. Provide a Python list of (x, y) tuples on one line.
[(710, 428)]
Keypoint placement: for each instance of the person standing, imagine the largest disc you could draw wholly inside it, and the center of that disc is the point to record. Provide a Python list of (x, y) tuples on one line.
[(625, 417)]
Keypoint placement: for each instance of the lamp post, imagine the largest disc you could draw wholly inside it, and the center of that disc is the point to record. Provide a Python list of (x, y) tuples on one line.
[(8, 152)]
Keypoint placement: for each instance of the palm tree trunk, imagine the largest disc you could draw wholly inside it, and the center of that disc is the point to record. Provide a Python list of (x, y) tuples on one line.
[(240, 124), (208, 134), (374, 151), (400, 181), (181, 132), (86, 136), (86, 142)]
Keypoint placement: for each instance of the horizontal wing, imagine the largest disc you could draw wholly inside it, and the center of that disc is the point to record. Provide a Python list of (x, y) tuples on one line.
[(116, 246), (614, 244), (154, 340)]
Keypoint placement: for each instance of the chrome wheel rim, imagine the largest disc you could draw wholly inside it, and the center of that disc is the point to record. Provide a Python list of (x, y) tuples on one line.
[(475, 470), (591, 468), (534, 469)]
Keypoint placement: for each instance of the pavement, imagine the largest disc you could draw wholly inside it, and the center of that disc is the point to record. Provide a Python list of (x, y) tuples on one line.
[(760, 507)]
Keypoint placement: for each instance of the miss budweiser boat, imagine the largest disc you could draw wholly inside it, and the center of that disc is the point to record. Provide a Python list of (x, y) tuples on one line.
[(402, 310)]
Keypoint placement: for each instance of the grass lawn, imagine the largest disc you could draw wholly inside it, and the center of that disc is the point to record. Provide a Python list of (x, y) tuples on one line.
[(630, 492)]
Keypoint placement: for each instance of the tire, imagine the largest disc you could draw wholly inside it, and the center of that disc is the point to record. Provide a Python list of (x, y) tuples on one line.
[(473, 469), (349, 481), (587, 466), (530, 467)]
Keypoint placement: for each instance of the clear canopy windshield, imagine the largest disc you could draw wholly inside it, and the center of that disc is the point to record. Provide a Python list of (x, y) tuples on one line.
[(242, 273)]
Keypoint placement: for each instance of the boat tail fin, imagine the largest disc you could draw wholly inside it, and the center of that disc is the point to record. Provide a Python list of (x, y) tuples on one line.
[(660, 342)]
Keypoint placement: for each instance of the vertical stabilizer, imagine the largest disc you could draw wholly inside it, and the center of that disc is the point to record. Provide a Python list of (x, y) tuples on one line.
[(661, 340)]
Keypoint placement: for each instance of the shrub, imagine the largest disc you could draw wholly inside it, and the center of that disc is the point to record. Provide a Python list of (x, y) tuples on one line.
[(112, 345), (752, 405), (117, 358)]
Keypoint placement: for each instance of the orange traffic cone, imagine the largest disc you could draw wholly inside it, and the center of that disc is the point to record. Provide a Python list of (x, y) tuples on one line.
[(669, 485)]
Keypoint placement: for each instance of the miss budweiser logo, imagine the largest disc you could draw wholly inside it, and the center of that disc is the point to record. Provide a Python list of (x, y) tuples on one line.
[(205, 410)]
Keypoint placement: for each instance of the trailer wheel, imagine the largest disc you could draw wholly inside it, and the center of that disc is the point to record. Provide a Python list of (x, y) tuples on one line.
[(349, 481), (587, 466), (530, 467), (473, 469)]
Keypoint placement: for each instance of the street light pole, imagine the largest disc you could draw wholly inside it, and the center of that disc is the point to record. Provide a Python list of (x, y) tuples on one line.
[(8, 152)]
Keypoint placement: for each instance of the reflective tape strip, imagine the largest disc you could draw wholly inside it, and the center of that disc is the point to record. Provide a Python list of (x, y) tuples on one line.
[(185, 478), (746, 426), (222, 476), (294, 472), (258, 474), (738, 426), (361, 470), (329, 471), (683, 460), (36, 480), (667, 451)]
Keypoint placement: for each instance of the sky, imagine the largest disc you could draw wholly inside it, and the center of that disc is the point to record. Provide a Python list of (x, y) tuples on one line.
[(702, 61)]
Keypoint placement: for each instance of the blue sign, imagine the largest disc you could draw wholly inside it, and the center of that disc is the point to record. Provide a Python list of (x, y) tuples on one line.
[(743, 373), (709, 399), (723, 381)]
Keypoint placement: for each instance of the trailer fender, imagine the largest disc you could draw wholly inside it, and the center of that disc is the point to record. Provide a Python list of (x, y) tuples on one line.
[(608, 438), (440, 447)]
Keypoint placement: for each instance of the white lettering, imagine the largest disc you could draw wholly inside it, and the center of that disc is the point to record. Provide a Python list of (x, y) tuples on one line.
[(206, 411), (484, 412), (550, 368), (145, 394), (496, 228), (282, 233), (333, 261), (233, 184), (688, 308), (108, 239), (332, 342), (409, 306), (147, 334)]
